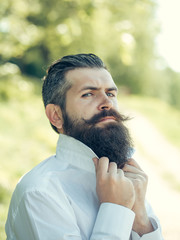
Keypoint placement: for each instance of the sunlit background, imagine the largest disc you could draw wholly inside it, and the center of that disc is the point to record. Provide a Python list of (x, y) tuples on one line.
[(139, 42), (169, 37)]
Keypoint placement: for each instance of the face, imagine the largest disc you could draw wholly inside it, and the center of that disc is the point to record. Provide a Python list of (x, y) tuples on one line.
[(91, 114), (93, 90)]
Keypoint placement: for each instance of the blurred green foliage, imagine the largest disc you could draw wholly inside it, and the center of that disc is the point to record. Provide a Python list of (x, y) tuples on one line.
[(26, 138), (33, 33)]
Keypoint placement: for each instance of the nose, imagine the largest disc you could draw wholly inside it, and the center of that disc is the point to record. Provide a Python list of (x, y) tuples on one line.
[(106, 103)]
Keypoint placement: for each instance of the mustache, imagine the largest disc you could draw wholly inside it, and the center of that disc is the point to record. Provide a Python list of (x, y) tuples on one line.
[(107, 113)]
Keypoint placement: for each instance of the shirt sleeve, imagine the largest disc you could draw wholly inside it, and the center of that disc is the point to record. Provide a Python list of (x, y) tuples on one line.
[(156, 234), (113, 222), (40, 216)]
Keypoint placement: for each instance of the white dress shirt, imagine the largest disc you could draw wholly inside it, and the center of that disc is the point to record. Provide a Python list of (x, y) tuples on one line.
[(57, 200)]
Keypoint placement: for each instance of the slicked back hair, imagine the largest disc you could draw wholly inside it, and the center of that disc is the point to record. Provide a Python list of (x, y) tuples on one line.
[(55, 85)]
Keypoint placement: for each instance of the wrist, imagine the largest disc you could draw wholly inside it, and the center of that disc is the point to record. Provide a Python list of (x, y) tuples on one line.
[(142, 224)]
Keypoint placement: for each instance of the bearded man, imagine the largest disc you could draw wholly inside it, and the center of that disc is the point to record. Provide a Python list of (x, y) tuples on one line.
[(92, 188)]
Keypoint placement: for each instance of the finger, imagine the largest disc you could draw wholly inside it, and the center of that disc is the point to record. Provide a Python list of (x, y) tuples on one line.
[(103, 166), (95, 160), (134, 176), (130, 175), (130, 168), (120, 172), (132, 162), (112, 168)]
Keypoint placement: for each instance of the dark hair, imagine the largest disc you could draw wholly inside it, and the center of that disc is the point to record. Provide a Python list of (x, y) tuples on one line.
[(55, 85)]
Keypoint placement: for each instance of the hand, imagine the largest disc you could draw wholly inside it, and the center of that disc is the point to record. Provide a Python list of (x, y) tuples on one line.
[(112, 185), (139, 179)]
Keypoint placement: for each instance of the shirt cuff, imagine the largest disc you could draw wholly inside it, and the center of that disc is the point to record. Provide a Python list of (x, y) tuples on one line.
[(113, 221), (155, 235)]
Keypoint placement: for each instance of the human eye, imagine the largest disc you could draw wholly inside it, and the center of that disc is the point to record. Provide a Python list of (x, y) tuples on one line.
[(110, 94), (86, 95)]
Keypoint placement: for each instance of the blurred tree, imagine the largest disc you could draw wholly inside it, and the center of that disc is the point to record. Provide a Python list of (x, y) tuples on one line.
[(33, 33), (125, 38)]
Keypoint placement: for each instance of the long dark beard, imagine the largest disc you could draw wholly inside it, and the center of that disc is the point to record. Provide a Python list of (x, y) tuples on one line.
[(112, 141)]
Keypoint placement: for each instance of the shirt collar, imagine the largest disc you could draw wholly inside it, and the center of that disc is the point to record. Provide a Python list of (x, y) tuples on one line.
[(76, 153)]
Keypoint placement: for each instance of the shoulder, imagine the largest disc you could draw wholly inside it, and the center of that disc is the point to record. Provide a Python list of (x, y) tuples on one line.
[(39, 191), (40, 178), (42, 182)]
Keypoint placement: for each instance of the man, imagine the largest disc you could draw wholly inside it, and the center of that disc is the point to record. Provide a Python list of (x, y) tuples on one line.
[(92, 188)]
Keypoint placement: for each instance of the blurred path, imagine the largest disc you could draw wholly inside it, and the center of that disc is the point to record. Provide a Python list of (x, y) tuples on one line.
[(161, 161)]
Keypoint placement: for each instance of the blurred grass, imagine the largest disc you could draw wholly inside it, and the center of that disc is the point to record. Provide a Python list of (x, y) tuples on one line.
[(27, 138)]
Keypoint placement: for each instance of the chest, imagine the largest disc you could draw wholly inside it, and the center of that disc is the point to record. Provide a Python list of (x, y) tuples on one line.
[(80, 188)]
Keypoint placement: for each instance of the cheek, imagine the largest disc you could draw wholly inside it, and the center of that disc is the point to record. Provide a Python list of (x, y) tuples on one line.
[(86, 112), (86, 107), (78, 110)]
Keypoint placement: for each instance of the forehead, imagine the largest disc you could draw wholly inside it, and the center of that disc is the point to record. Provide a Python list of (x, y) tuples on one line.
[(95, 77)]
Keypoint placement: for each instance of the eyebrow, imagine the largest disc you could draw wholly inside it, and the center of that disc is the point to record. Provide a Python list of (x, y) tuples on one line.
[(95, 88)]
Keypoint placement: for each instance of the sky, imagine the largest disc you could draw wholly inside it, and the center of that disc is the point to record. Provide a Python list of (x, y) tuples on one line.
[(168, 41)]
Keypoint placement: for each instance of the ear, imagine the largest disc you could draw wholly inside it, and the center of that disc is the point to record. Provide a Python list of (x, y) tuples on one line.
[(54, 114)]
